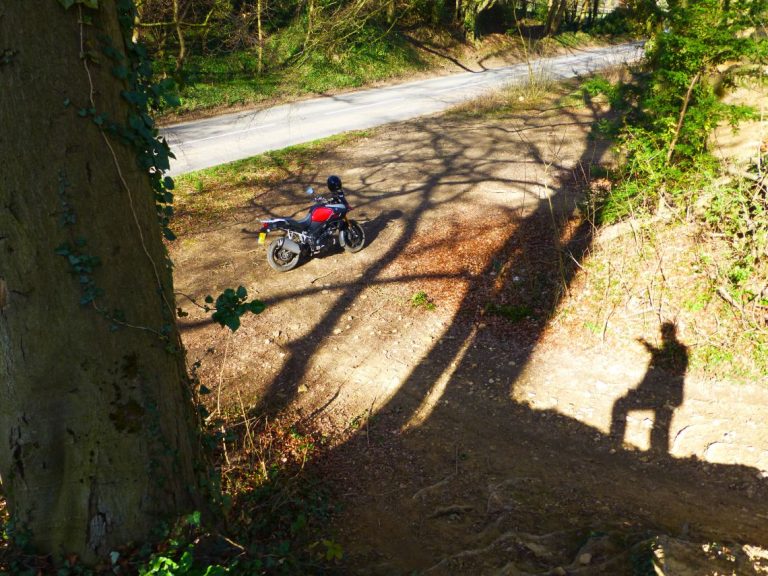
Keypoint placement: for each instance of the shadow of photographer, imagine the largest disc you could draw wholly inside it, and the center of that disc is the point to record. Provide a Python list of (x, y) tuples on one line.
[(660, 391)]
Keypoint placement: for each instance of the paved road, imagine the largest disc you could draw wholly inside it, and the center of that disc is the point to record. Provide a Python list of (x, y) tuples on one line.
[(214, 141)]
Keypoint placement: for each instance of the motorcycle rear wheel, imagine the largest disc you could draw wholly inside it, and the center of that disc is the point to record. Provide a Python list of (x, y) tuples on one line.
[(279, 258), (354, 237)]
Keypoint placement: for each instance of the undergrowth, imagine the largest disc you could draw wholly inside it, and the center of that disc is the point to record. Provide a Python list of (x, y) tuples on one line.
[(276, 513), (667, 181), (231, 79)]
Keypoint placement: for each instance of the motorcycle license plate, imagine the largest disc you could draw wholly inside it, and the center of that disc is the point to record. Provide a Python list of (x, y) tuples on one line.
[(262, 237)]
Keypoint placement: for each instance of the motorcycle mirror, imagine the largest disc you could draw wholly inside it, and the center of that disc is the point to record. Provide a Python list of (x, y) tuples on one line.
[(310, 191)]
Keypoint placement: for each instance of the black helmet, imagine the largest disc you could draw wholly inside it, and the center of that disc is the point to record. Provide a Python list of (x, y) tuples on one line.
[(334, 183)]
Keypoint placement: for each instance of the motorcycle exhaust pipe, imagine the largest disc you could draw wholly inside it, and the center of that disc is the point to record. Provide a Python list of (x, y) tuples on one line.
[(291, 246)]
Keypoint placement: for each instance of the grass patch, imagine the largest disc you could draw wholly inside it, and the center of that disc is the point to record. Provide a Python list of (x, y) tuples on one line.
[(566, 39), (210, 196), (421, 300), (224, 80), (516, 98), (511, 312), (229, 80), (643, 272), (712, 358)]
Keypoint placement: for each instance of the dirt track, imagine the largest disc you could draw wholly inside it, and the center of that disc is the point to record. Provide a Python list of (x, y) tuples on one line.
[(486, 448)]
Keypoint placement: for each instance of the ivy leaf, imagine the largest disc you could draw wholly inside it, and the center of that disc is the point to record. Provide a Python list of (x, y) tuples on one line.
[(172, 100), (120, 72), (232, 322), (67, 3)]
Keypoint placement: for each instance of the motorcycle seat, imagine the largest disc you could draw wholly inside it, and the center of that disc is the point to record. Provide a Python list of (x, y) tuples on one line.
[(299, 225)]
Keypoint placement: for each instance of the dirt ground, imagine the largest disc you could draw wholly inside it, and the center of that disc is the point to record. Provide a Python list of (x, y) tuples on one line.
[(483, 441)]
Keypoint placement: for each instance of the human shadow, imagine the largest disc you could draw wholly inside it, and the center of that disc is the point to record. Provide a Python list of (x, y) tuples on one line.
[(661, 390)]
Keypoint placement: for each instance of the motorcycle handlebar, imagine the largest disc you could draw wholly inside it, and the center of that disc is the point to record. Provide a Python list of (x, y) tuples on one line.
[(334, 198)]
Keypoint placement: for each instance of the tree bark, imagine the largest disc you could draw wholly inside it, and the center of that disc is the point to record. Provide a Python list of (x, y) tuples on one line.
[(390, 12), (177, 24), (310, 23), (681, 118), (260, 34), (98, 438), (555, 16)]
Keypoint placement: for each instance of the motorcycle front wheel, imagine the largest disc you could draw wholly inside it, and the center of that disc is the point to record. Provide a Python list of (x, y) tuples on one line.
[(279, 258), (354, 237)]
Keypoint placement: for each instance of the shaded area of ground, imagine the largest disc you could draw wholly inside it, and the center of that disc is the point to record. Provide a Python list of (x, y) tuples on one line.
[(482, 442)]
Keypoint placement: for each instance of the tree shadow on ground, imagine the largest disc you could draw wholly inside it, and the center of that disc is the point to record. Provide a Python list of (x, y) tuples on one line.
[(453, 465), (452, 462), (441, 163), (440, 53)]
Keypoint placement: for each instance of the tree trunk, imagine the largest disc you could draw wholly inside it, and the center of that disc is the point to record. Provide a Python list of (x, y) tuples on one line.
[(555, 16), (594, 11), (178, 22), (98, 439), (472, 9), (260, 33), (391, 12), (310, 23), (136, 36)]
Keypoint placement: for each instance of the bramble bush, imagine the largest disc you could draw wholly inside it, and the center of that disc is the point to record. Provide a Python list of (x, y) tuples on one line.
[(698, 51)]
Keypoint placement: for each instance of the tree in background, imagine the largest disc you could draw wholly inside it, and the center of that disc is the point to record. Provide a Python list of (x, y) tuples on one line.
[(468, 11), (697, 50), (177, 17)]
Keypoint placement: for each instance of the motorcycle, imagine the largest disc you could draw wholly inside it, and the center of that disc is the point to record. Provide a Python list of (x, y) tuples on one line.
[(325, 225)]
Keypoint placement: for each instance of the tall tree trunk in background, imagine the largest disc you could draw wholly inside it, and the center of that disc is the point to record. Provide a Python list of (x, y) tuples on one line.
[(581, 12), (178, 21), (260, 33), (555, 16), (136, 23), (472, 9), (594, 11), (390, 11), (98, 431), (310, 22)]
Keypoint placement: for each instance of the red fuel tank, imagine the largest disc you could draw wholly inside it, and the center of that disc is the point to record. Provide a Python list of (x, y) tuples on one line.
[(321, 214)]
